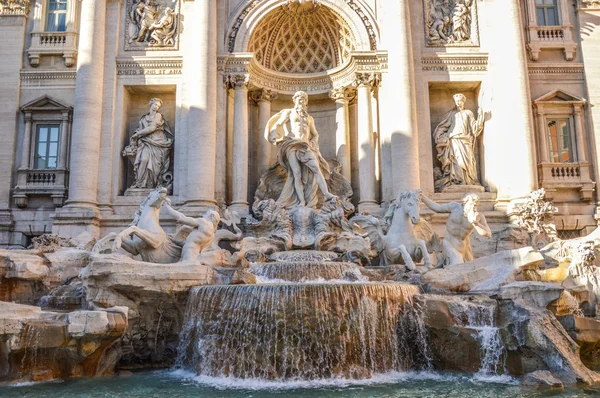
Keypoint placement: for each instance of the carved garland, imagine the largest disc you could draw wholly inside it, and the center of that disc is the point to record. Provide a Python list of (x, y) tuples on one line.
[(252, 4)]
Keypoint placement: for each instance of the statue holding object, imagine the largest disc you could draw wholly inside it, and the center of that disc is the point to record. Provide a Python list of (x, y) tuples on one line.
[(455, 138), (149, 149)]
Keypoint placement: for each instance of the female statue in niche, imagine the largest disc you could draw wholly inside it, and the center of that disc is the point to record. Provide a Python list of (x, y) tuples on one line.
[(149, 148), (455, 137)]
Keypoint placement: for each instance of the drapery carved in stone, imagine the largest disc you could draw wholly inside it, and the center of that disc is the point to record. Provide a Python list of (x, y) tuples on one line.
[(451, 23), (152, 25), (14, 7)]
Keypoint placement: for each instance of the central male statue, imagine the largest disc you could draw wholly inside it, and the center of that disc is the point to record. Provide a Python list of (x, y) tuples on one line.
[(294, 133)]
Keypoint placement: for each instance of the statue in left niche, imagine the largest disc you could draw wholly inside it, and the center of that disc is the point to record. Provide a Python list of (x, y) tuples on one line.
[(149, 149), (152, 23)]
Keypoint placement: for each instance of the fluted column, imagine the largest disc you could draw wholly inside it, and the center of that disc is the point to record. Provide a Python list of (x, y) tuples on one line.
[(510, 162), (366, 144), (342, 97), (221, 142), (239, 187), (201, 97), (399, 137), (263, 98), (87, 114), (26, 151)]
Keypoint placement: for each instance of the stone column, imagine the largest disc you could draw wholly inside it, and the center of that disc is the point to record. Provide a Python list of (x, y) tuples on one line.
[(588, 14), (366, 145), (543, 134), (64, 134), (13, 33), (510, 161), (399, 136), (342, 97), (87, 114), (201, 96), (263, 98), (580, 135), (26, 151), (239, 200), (221, 143)]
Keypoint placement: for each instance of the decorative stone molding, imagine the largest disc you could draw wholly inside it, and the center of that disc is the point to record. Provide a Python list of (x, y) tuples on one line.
[(53, 181), (14, 7), (50, 43), (138, 66), (263, 95), (585, 4), (252, 4), (451, 23), (541, 38), (573, 71), (342, 94), (241, 81), (34, 79), (573, 175), (320, 83), (367, 79), (152, 25), (450, 63)]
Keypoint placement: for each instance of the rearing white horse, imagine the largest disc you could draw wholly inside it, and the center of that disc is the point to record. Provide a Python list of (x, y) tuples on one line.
[(404, 242), (145, 236)]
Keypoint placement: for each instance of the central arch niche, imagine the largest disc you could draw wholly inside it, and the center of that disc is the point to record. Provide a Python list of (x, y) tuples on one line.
[(314, 41)]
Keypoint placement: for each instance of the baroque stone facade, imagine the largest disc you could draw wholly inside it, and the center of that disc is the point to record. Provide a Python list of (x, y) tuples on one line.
[(78, 75)]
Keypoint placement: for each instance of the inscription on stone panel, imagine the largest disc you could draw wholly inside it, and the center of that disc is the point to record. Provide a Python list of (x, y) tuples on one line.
[(451, 23), (152, 25)]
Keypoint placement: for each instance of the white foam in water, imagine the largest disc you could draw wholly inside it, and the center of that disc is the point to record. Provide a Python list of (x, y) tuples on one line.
[(232, 383)]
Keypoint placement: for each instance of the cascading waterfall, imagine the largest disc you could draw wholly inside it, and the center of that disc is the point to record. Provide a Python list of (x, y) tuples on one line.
[(480, 318), (305, 271), (298, 331)]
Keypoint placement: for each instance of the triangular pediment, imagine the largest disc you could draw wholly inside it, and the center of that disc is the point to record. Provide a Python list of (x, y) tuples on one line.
[(46, 103), (559, 96)]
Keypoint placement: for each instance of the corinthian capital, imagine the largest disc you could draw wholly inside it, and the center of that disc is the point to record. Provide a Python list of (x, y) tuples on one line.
[(367, 79), (263, 95), (342, 94), (241, 81)]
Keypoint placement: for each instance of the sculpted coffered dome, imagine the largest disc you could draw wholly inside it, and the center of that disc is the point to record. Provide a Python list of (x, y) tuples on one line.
[(302, 39)]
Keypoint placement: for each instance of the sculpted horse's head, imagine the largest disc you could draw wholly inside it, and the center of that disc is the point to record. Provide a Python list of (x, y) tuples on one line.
[(154, 200), (409, 203)]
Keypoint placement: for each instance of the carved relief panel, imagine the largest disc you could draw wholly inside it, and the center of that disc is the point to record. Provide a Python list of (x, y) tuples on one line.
[(451, 23), (152, 25)]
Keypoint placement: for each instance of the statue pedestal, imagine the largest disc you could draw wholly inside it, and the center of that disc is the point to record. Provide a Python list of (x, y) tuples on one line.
[(463, 189), (141, 192)]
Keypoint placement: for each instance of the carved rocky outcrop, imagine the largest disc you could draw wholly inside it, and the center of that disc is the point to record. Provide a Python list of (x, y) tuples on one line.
[(40, 345), (155, 296)]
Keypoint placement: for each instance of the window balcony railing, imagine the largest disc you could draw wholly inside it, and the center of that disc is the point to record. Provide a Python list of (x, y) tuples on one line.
[(551, 37), (49, 182), (53, 43), (554, 176)]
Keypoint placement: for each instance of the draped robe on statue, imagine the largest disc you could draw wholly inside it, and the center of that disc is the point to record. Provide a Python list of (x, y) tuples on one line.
[(152, 158), (305, 148), (455, 139)]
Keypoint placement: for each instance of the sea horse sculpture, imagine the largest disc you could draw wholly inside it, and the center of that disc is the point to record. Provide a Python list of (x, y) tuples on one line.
[(405, 240)]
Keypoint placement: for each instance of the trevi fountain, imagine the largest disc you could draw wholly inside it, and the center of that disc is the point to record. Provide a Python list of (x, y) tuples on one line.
[(308, 289)]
